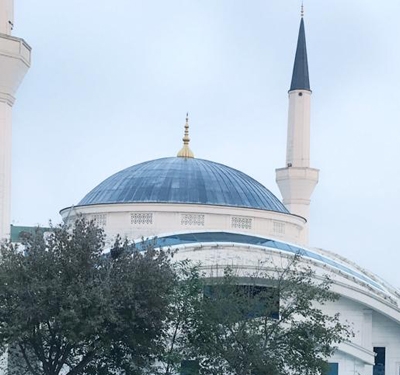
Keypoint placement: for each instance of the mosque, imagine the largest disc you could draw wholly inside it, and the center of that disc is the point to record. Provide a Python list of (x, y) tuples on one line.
[(217, 215)]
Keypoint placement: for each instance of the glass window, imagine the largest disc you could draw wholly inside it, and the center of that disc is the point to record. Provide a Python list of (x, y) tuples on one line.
[(252, 301), (189, 367), (380, 357), (333, 369)]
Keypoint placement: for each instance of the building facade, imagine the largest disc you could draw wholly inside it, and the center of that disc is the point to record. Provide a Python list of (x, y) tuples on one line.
[(219, 216), (216, 215)]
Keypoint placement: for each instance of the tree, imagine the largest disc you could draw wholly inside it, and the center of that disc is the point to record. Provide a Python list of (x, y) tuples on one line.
[(186, 298), (270, 323), (66, 307)]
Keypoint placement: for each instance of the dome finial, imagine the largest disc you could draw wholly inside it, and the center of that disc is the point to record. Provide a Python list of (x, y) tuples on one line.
[(185, 151), (302, 10)]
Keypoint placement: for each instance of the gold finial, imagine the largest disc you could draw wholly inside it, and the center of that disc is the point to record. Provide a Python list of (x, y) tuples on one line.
[(185, 151), (302, 10)]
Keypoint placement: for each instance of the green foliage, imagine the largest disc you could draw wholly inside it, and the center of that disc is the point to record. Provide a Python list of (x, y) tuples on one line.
[(64, 305), (187, 297), (228, 334)]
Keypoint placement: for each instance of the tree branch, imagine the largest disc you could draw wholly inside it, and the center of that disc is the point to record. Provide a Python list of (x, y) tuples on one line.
[(64, 357), (28, 363), (82, 364)]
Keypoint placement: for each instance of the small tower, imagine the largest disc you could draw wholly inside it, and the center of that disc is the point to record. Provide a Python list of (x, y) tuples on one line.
[(15, 59), (297, 180)]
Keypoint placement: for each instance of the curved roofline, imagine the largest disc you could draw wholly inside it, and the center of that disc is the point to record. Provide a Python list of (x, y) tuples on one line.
[(213, 237), (171, 180), (395, 291), (181, 203)]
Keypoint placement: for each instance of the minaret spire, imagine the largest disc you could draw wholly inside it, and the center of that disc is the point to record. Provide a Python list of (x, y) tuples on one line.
[(297, 180), (14, 63), (185, 151), (300, 77)]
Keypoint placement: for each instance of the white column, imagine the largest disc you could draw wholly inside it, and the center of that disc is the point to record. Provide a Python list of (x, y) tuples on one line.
[(298, 136), (6, 16), (15, 58), (297, 180), (5, 168)]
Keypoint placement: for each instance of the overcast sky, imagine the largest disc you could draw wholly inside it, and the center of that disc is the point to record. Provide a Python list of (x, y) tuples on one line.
[(111, 82)]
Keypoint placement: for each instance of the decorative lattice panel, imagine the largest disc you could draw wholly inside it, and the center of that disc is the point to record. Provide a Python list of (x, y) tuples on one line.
[(192, 219), (100, 219), (142, 218), (241, 222), (279, 227)]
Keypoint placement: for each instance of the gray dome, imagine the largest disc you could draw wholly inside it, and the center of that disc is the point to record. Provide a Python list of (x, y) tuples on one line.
[(183, 180)]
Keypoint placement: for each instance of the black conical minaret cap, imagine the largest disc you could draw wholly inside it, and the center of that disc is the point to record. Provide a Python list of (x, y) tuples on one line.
[(300, 77)]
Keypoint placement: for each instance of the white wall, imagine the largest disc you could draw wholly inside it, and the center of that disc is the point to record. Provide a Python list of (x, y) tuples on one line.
[(158, 218)]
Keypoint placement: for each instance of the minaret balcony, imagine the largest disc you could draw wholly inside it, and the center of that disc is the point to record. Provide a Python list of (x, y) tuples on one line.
[(15, 60)]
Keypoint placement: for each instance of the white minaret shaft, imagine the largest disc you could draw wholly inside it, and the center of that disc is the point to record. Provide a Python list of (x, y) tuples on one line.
[(298, 137), (15, 59), (6, 16), (297, 180)]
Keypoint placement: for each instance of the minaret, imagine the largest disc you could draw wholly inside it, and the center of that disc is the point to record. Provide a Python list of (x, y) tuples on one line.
[(297, 180), (15, 58)]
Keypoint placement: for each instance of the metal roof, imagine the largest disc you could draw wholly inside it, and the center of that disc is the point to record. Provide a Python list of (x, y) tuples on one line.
[(183, 180), (180, 239), (300, 77)]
